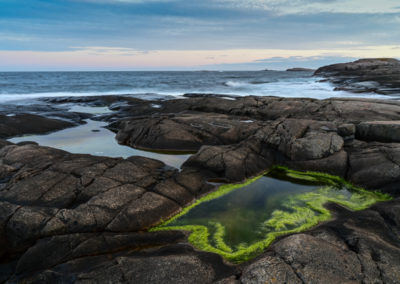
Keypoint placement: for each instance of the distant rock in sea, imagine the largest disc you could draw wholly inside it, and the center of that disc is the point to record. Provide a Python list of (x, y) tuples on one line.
[(379, 75), (300, 69)]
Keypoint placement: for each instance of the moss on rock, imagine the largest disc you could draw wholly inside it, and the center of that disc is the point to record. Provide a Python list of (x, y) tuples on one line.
[(298, 212)]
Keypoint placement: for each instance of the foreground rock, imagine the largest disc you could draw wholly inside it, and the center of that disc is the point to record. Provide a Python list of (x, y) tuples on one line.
[(379, 75), (364, 248), (87, 214), (68, 218)]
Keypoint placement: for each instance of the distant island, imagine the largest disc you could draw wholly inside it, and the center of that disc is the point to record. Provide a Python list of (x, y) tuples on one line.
[(300, 69)]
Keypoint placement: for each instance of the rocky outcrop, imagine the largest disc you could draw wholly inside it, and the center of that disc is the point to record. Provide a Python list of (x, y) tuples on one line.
[(384, 131), (20, 124), (364, 248), (84, 217), (185, 132), (237, 139), (379, 75), (68, 218), (300, 69)]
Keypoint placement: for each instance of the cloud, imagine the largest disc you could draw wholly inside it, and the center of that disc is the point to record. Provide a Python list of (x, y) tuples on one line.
[(283, 63), (124, 1), (130, 28), (120, 58), (285, 7)]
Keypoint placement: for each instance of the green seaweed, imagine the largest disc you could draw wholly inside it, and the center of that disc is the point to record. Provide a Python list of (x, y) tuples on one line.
[(222, 190), (299, 212)]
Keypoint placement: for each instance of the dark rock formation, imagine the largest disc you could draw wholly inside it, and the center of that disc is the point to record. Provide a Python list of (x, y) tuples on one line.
[(358, 247), (380, 75), (300, 69), (185, 132), (84, 217), (16, 125), (240, 138), (67, 218)]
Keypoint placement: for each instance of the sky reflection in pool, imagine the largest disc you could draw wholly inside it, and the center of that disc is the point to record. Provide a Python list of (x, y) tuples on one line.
[(239, 221), (83, 140)]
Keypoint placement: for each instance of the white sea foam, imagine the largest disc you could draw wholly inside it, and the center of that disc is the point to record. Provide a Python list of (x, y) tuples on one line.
[(237, 84), (166, 85), (296, 88), (15, 98)]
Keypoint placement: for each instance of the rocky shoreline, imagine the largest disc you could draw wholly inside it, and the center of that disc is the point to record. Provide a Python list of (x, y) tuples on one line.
[(378, 75), (73, 218)]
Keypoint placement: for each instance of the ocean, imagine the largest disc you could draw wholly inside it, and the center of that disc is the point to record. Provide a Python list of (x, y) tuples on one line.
[(22, 86)]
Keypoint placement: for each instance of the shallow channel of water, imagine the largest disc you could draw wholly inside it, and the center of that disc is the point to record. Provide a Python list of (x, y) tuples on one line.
[(92, 138), (239, 221)]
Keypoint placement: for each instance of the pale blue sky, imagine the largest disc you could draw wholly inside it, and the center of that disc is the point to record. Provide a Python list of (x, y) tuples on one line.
[(182, 34)]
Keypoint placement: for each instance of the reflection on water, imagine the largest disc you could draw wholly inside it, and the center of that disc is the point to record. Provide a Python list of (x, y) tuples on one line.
[(92, 138), (242, 212), (239, 221), (89, 109)]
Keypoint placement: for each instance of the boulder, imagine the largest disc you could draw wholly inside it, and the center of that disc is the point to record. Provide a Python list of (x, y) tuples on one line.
[(21, 124), (383, 131)]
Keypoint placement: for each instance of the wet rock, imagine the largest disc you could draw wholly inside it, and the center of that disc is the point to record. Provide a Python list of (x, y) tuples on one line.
[(235, 162), (77, 218), (375, 165), (380, 75), (230, 280), (174, 191), (316, 146), (49, 252), (4, 143), (317, 261), (22, 124), (300, 69), (269, 269), (336, 164), (51, 192), (185, 132), (384, 131), (172, 264), (143, 213), (284, 142), (347, 131)]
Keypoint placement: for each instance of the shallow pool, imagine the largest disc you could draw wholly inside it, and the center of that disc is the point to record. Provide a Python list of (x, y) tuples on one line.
[(240, 221), (92, 138)]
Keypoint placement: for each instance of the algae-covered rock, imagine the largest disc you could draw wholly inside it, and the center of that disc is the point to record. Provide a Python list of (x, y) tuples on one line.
[(77, 218), (239, 221)]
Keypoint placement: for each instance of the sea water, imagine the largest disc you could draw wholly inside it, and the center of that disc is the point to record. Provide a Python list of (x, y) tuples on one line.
[(16, 86)]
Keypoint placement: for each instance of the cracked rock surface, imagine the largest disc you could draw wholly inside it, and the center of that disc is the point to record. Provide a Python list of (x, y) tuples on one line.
[(339, 136), (72, 218)]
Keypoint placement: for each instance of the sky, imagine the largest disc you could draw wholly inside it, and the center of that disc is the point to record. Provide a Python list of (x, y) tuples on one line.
[(39, 35)]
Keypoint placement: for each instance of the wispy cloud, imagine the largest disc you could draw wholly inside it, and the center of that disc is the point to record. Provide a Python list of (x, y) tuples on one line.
[(283, 7), (142, 27), (125, 1), (116, 58)]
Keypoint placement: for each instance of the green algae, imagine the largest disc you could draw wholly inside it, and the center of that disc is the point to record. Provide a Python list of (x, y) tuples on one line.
[(239, 221)]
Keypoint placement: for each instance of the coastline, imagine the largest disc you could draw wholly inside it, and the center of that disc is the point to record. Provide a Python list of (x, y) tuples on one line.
[(68, 217)]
